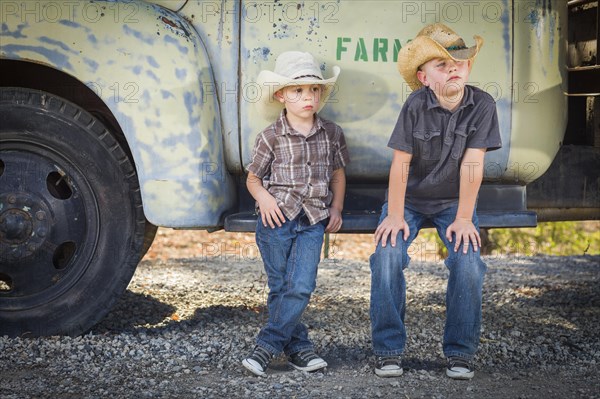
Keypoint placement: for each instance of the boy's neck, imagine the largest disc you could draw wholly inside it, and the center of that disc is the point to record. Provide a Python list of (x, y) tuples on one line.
[(299, 124), (451, 103)]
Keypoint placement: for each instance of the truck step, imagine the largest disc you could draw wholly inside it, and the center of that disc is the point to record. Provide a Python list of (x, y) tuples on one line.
[(366, 222)]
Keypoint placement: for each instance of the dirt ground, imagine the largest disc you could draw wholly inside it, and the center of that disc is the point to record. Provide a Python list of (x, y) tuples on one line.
[(196, 302)]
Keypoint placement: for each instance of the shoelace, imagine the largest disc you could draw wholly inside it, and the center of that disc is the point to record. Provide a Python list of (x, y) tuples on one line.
[(459, 363), (307, 355), (261, 355), (388, 361)]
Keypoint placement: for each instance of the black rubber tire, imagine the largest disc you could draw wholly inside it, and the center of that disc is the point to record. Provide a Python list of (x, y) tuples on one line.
[(71, 219), (149, 234)]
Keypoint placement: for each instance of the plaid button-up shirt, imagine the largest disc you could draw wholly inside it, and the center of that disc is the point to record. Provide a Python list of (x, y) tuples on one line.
[(297, 169)]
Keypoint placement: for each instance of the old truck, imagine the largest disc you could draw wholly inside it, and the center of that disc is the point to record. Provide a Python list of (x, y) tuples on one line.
[(120, 116)]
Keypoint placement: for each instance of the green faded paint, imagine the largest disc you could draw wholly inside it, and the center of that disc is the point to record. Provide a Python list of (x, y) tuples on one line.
[(380, 50)]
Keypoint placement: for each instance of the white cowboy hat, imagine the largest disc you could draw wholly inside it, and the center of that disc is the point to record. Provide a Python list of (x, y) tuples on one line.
[(434, 41), (292, 68)]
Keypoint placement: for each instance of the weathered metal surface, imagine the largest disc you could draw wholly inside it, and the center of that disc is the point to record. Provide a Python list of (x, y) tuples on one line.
[(145, 63), (539, 108), (217, 23), (182, 85), (173, 5), (371, 92)]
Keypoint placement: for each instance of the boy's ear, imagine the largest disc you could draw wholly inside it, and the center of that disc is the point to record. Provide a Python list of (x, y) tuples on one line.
[(279, 96), (422, 76)]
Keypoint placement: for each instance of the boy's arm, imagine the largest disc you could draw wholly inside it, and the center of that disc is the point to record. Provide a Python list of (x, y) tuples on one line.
[(394, 221), (269, 209), (338, 188), (471, 175)]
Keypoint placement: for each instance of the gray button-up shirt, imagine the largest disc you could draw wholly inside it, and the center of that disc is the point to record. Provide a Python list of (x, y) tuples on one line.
[(297, 169), (437, 139)]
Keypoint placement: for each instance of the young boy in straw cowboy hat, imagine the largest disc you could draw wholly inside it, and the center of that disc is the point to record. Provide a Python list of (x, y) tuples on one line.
[(439, 142), (297, 179)]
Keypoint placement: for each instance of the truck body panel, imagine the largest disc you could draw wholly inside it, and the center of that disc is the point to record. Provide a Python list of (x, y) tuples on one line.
[(145, 63)]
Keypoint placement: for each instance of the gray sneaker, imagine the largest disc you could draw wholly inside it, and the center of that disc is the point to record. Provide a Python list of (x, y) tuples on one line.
[(258, 361), (388, 366), (459, 369), (306, 360)]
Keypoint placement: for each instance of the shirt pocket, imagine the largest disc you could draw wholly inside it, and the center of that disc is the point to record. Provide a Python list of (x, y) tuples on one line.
[(460, 140), (428, 144)]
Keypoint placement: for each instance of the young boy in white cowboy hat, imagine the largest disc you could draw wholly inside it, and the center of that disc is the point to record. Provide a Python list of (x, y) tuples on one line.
[(297, 179), (439, 142)]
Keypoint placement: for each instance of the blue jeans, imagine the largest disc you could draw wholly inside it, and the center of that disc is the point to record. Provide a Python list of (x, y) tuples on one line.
[(291, 255), (463, 293)]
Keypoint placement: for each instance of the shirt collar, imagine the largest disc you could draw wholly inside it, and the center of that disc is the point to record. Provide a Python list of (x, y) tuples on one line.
[(432, 101), (283, 126)]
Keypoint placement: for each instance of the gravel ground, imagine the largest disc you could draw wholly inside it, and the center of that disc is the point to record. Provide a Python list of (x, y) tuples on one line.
[(183, 326)]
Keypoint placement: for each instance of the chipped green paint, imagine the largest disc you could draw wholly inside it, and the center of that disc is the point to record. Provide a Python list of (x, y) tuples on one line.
[(382, 50)]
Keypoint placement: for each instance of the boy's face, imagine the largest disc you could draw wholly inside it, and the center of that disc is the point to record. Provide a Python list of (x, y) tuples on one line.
[(301, 101), (445, 76)]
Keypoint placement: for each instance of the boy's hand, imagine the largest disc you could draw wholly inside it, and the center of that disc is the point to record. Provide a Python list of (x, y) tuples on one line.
[(391, 225), (465, 232), (269, 211), (335, 221)]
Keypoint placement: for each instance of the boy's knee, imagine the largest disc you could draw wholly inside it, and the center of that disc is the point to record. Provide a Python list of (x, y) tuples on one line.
[(389, 259), (469, 263), (302, 290)]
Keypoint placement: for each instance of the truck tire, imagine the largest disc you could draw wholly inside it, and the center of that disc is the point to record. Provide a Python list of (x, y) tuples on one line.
[(71, 219), (149, 235)]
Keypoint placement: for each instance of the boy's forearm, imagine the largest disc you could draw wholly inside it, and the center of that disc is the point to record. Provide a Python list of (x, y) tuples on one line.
[(398, 182), (338, 189), (470, 181), (255, 187)]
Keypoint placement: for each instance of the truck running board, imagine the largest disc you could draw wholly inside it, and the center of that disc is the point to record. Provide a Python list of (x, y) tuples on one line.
[(499, 205), (366, 222)]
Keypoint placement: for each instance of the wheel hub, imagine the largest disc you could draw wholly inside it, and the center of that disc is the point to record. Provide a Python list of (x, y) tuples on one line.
[(24, 225)]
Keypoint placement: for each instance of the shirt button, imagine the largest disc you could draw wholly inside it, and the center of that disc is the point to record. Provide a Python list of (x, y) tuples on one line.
[(308, 163)]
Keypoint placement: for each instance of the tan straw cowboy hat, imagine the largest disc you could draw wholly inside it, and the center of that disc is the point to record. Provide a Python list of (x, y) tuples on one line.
[(433, 41), (292, 68)]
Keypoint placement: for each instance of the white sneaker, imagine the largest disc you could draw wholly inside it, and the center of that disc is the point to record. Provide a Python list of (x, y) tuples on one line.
[(258, 361), (388, 366), (459, 369)]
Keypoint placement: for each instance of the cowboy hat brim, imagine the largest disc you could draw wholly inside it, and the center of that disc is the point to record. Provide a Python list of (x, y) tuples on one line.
[(270, 82), (423, 49)]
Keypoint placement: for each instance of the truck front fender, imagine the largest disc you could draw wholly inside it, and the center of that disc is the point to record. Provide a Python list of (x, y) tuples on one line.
[(149, 67)]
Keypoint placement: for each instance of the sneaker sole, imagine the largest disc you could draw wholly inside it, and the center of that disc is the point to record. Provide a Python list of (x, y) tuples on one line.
[(252, 369), (460, 376), (389, 373), (314, 367)]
